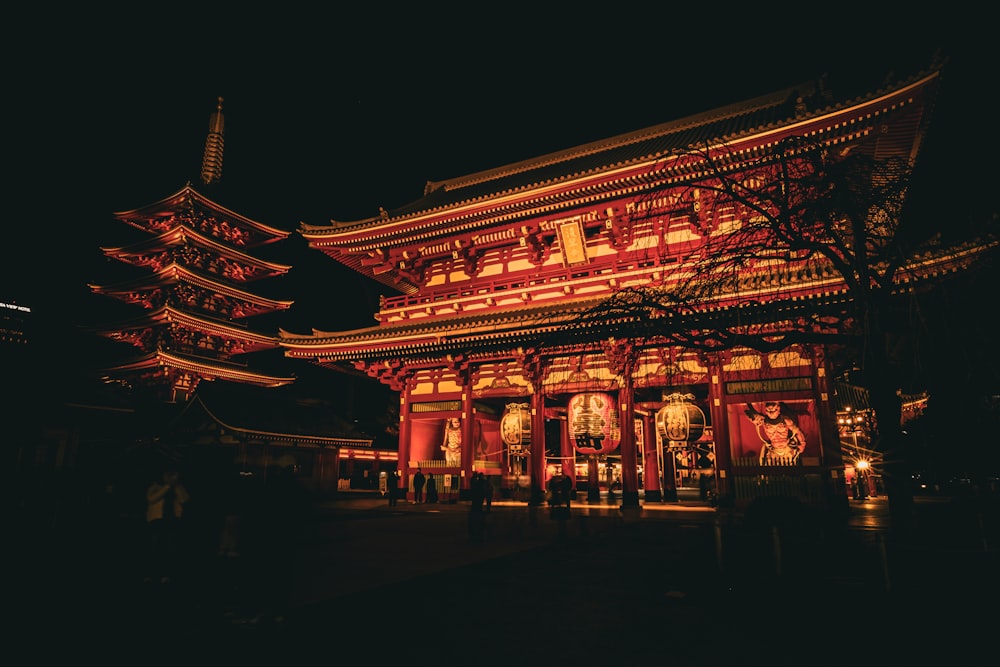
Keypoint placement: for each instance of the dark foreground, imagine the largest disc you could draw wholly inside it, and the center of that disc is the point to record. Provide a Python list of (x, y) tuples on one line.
[(405, 585)]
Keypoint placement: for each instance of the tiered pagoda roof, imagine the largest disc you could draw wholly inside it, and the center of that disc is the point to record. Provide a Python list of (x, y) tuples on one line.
[(193, 294), (179, 284), (192, 210)]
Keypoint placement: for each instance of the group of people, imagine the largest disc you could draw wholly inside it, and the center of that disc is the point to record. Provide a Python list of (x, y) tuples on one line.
[(425, 491), (424, 488), (481, 494)]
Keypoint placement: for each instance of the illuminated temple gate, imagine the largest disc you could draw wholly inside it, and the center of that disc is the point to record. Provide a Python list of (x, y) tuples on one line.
[(489, 264)]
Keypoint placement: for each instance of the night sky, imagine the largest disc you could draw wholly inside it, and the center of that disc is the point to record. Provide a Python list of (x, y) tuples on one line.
[(333, 117)]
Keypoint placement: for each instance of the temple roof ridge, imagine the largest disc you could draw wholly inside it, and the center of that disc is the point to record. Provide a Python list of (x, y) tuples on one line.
[(213, 368), (257, 414), (326, 441), (438, 325), (179, 272), (171, 313), (619, 140), (182, 232), (484, 329), (801, 101), (188, 195)]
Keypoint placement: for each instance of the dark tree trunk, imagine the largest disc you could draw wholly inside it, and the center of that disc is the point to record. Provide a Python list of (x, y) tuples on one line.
[(890, 441)]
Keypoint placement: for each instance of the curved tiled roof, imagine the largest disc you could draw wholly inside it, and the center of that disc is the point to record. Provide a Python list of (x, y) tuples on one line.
[(165, 315), (624, 166), (175, 273), (181, 235), (660, 140), (504, 328), (797, 103), (211, 369), (275, 419), (188, 195)]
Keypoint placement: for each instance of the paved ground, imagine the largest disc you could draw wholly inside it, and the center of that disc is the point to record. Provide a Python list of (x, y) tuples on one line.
[(672, 586)]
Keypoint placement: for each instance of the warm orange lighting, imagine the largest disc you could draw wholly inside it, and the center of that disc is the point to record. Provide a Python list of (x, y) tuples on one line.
[(369, 455)]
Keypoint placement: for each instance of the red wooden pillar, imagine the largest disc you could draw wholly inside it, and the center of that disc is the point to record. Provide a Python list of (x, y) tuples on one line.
[(403, 464), (720, 426), (468, 433), (630, 470), (831, 457), (650, 462), (593, 480), (567, 452), (537, 461)]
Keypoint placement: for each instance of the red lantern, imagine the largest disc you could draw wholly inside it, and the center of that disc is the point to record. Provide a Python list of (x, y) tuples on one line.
[(680, 420), (593, 423), (515, 427)]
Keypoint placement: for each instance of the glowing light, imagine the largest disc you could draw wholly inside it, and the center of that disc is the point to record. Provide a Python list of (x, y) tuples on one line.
[(680, 420), (593, 423), (515, 426)]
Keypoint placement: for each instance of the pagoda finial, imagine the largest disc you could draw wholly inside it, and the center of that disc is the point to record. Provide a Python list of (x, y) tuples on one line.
[(211, 164)]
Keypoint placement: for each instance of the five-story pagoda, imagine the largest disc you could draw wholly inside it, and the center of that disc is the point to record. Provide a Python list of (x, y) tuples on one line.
[(194, 291)]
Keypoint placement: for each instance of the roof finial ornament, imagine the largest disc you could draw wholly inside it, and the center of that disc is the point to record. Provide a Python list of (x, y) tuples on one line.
[(382, 212), (211, 164), (800, 106)]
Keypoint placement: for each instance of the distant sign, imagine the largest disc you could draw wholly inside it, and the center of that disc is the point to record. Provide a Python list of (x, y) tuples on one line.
[(768, 386)]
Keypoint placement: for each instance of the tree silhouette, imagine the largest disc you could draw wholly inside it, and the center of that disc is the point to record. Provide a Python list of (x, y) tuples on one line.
[(809, 243)]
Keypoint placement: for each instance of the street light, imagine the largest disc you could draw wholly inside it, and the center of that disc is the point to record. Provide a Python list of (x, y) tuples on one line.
[(849, 422), (862, 466)]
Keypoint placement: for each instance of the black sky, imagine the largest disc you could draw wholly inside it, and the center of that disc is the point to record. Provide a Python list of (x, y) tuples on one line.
[(333, 117)]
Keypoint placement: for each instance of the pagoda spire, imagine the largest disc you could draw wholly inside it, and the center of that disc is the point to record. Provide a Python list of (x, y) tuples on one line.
[(211, 164)]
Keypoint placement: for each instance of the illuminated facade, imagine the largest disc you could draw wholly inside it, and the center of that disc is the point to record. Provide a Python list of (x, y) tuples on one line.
[(489, 264), (192, 297)]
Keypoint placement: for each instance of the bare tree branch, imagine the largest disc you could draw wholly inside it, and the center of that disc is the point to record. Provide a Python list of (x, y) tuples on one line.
[(804, 244)]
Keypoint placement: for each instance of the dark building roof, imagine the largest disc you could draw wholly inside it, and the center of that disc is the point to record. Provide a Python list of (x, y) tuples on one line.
[(261, 414)]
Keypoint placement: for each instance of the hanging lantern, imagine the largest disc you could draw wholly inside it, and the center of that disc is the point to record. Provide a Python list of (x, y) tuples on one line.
[(593, 423), (680, 420), (515, 427)]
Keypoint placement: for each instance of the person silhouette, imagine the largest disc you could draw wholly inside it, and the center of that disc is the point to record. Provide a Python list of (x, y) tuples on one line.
[(487, 491), (392, 489), (477, 520), (165, 500), (432, 493), (418, 486)]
